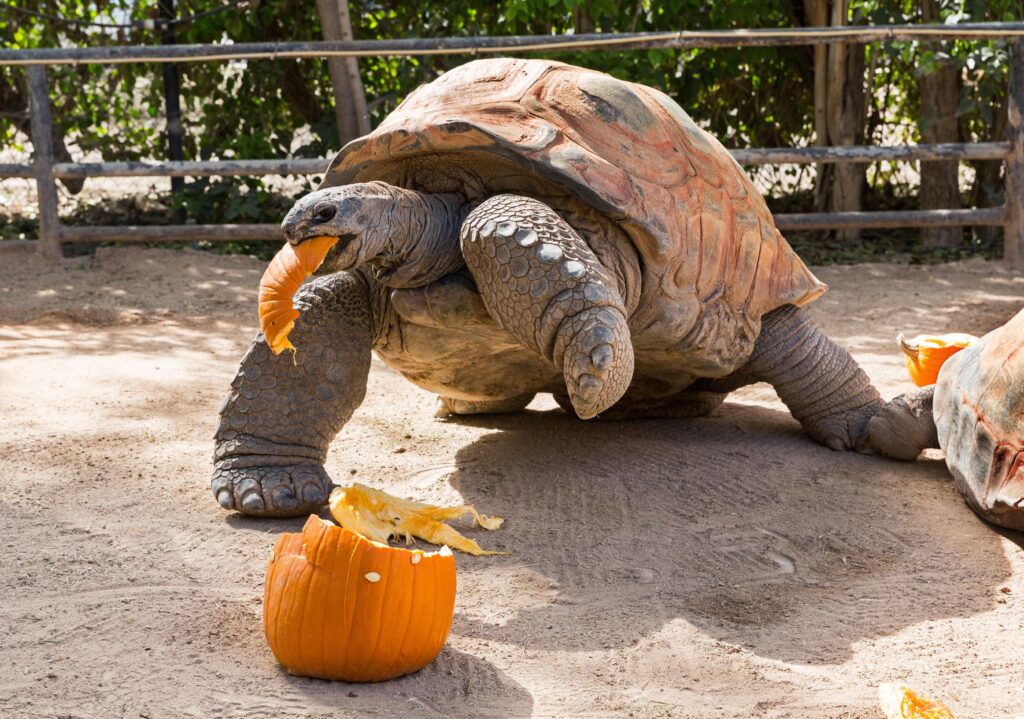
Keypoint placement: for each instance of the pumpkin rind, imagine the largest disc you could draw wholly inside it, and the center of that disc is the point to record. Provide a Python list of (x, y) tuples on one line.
[(284, 275), (979, 414), (927, 353), (324, 619)]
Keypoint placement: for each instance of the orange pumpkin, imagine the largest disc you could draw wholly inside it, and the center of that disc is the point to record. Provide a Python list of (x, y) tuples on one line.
[(898, 701), (282, 278), (339, 606), (927, 353)]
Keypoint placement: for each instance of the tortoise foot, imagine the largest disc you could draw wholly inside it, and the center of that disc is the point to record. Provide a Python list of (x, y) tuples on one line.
[(903, 427), (843, 430), (289, 491)]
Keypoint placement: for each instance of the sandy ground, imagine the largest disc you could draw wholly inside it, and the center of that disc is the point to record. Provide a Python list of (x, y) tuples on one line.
[(721, 567)]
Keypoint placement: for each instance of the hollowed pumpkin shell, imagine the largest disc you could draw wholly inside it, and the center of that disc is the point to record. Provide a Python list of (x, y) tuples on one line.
[(339, 606), (927, 353), (282, 278)]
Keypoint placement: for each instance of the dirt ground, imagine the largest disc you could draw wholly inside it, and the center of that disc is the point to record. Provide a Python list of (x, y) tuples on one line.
[(721, 567)]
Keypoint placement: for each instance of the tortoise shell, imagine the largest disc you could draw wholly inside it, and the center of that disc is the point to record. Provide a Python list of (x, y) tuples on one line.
[(979, 414), (711, 260)]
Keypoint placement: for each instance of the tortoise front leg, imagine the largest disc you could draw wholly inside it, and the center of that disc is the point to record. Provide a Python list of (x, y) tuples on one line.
[(546, 288), (821, 384), (284, 410)]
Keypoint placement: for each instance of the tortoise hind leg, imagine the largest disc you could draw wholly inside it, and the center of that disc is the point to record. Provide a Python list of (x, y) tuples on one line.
[(820, 383), (547, 288), (284, 410)]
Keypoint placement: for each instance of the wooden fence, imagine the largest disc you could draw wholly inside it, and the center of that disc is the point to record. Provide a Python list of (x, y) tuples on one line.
[(52, 233)]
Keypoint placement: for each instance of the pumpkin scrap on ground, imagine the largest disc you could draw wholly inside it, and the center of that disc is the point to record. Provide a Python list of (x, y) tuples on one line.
[(899, 701), (927, 353), (381, 516), (339, 606), (282, 278)]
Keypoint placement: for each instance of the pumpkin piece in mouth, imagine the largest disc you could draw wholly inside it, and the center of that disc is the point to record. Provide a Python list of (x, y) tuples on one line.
[(380, 516), (282, 278)]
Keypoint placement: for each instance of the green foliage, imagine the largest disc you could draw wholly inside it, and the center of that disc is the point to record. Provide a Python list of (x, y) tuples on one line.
[(748, 97)]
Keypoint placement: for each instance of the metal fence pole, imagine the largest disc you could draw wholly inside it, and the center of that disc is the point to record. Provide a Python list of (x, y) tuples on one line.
[(42, 161), (172, 97)]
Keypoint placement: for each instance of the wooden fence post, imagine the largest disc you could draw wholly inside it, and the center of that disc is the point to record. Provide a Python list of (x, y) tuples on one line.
[(1013, 234), (42, 161), (344, 107)]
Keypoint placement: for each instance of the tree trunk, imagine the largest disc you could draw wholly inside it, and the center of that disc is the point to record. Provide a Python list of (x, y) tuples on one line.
[(987, 190), (352, 68), (582, 23), (940, 95), (839, 113), (349, 98), (846, 119), (817, 15)]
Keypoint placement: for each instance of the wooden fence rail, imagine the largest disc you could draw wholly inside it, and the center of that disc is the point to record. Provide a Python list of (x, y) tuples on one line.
[(52, 233), (526, 43)]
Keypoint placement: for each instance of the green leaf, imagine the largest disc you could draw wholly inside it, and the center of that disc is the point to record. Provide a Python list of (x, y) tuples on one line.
[(966, 105)]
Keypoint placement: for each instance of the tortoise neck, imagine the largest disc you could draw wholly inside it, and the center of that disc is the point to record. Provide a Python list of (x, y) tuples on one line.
[(423, 245)]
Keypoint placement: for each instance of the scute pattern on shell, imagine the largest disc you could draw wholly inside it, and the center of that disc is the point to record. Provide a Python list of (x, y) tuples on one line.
[(709, 249), (979, 414)]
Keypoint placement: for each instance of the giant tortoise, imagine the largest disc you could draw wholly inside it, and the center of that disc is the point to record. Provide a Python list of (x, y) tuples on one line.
[(975, 414), (526, 226)]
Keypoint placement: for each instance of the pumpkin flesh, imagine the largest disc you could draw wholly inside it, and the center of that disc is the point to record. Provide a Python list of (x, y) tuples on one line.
[(339, 606), (284, 275), (927, 353), (898, 701), (381, 516)]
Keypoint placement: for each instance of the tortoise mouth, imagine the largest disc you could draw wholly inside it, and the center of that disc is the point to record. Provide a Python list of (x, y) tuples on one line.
[(344, 255)]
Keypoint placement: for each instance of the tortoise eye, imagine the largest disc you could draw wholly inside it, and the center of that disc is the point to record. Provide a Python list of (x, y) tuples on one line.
[(324, 212)]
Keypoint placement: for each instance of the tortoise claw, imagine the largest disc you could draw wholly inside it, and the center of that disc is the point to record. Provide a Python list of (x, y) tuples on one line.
[(289, 491)]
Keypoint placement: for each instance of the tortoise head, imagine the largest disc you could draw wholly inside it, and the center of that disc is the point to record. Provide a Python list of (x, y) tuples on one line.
[(358, 215)]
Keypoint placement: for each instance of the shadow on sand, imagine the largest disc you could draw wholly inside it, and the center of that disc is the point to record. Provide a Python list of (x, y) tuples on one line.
[(736, 523)]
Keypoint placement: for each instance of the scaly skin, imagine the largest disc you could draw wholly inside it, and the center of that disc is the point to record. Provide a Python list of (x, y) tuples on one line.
[(547, 289), (904, 427), (283, 411), (407, 238), (820, 383)]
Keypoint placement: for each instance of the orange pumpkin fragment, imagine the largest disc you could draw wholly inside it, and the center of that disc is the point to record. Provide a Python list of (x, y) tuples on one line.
[(282, 278), (339, 606), (380, 516), (899, 701), (927, 353)]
